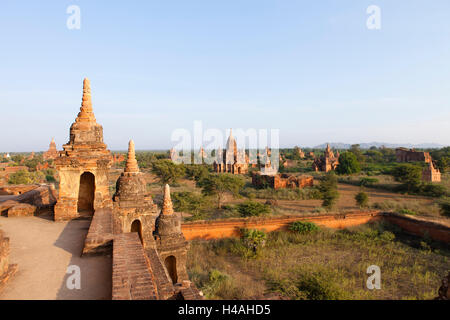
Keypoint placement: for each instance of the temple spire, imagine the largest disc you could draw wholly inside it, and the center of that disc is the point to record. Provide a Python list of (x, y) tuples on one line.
[(167, 207), (132, 165), (86, 112)]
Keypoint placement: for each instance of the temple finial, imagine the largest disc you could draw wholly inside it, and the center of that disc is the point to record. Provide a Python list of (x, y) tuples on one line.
[(167, 207), (86, 112), (132, 165)]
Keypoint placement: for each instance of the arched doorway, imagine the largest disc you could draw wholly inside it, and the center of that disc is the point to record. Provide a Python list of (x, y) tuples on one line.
[(136, 226), (171, 266), (86, 194)]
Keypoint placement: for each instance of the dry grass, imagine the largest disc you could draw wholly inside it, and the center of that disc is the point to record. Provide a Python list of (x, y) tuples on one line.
[(324, 265)]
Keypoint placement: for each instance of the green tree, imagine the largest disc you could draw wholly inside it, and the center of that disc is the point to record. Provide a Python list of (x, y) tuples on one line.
[(193, 203), (329, 191), (20, 177), (357, 152), (408, 174), (362, 199), (348, 164), (253, 239), (220, 184), (445, 206), (167, 171), (253, 209)]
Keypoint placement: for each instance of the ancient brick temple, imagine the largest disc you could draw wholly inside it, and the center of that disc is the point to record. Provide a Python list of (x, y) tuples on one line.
[(133, 210), (280, 181), (327, 162), (299, 152), (431, 173), (411, 155), (231, 160), (51, 153), (83, 166), (171, 245)]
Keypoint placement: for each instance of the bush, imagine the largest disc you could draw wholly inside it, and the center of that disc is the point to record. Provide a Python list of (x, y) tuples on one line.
[(362, 199), (348, 164), (368, 181), (253, 209), (328, 189), (433, 190), (444, 204), (303, 227), (407, 211), (193, 203), (253, 239), (408, 174), (319, 286)]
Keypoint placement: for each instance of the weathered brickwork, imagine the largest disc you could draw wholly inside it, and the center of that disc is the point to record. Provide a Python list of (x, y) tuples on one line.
[(227, 228), (431, 173), (83, 166), (281, 181), (132, 276), (6, 270), (411, 155), (134, 210), (52, 152), (31, 202), (100, 235), (327, 162)]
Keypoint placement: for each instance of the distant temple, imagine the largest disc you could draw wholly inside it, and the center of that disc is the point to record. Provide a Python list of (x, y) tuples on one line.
[(299, 152), (327, 162), (231, 159), (280, 181), (411, 155), (52, 153), (431, 174)]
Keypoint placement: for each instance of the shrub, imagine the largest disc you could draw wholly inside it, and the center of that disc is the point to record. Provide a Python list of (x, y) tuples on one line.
[(253, 209), (444, 204), (319, 286), (368, 181), (362, 199), (303, 227), (408, 174), (433, 190), (348, 164), (328, 189), (253, 239), (407, 211)]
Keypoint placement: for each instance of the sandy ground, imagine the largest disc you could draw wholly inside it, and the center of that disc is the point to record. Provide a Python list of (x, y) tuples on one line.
[(43, 250)]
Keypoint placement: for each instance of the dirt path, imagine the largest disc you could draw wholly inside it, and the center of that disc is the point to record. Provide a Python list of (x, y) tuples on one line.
[(43, 250)]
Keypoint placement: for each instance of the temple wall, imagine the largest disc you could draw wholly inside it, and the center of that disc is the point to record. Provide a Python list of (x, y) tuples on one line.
[(231, 227)]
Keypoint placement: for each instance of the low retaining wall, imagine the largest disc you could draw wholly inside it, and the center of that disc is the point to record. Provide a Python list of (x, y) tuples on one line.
[(217, 229), (230, 227), (420, 228)]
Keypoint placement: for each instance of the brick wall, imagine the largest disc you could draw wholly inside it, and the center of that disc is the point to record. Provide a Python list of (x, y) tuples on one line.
[(132, 275), (230, 227), (6, 270)]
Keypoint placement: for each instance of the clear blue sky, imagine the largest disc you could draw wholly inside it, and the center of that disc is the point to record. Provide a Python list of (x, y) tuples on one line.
[(309, 68)]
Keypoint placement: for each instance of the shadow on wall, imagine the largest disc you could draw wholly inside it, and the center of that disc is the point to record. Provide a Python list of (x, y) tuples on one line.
[(95, 272)]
